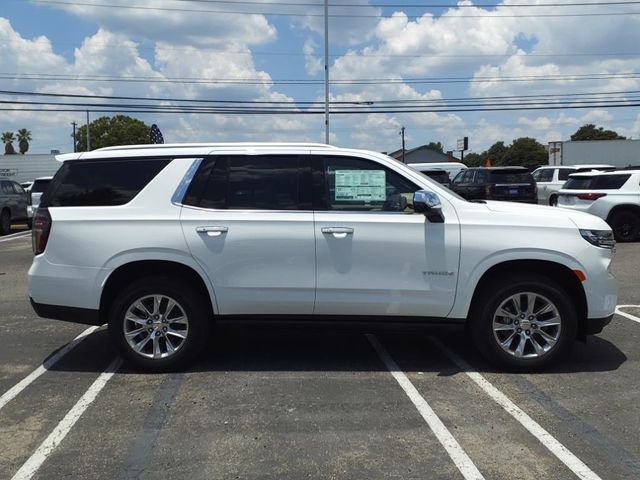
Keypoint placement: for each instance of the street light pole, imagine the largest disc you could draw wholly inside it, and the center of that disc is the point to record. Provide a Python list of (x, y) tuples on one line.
[(74, 136), (326, 71), (88, 134)]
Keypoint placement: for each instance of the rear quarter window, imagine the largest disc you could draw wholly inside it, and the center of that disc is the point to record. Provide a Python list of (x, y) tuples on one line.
[(40, 186), (94, 183), (596, 182)]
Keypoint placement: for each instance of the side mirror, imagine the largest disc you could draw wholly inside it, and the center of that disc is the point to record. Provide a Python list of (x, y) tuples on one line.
[(429, 204)]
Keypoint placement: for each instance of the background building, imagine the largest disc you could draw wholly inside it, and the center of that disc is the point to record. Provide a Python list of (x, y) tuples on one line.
[(422, 154), (24, 168)]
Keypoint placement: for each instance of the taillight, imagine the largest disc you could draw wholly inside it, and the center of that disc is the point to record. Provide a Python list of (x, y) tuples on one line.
[(40, 230), (590, 196)]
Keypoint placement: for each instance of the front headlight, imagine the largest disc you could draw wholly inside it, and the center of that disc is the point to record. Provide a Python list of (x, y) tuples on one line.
[(599, 238)]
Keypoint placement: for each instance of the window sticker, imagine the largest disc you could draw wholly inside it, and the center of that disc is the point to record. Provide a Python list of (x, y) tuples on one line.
[(360, 185)]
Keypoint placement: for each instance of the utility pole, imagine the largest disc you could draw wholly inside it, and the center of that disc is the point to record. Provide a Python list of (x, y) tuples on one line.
[(74, 136), (326, 71), (88, 134), (402, 133)]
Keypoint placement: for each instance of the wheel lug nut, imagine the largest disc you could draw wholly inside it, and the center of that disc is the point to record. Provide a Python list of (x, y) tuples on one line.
[(164, 329), (157, 334), (149, 322), (527, 332), (149, 330), (530, 317), (534, 326), (519, 330)]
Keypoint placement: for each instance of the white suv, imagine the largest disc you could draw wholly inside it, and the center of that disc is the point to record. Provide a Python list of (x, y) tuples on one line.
[(551, 179), (162, 242), (612, 196)]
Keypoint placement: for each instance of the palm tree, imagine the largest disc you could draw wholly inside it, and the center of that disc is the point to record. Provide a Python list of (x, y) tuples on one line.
[(24, 136), (8, 139)]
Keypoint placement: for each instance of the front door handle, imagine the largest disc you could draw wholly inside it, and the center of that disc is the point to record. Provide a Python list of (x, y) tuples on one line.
[(338, 232), (213, 230)]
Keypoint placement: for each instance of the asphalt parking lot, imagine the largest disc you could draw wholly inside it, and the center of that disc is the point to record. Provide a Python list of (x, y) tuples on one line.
[(295, 404)]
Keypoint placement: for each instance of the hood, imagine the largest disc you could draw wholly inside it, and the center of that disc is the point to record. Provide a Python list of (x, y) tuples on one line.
[(551, 214)]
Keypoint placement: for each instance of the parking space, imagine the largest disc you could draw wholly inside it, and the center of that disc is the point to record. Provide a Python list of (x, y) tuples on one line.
[(314, 404)]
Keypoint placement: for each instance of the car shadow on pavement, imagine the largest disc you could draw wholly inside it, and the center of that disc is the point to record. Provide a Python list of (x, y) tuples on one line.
[(327, 350)]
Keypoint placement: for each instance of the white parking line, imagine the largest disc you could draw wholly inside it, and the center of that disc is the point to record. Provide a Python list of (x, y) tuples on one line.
[(31, 466), (13, 236), (554, 446), (26, 381), (627, 315), (451, 445)]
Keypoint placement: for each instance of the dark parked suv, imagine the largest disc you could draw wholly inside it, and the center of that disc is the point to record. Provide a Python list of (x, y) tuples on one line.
[(514, 184)]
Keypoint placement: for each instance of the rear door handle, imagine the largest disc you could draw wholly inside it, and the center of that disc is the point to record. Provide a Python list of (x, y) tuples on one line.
[(338, 232), (213, 230)]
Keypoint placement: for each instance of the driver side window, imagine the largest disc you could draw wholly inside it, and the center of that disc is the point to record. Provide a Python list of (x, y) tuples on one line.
[(355, 184)]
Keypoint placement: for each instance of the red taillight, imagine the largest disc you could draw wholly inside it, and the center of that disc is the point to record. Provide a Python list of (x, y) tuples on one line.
[(40, 230), (590, 196)]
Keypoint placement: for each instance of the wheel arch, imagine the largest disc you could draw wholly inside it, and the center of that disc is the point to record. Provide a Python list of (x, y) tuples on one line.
[(623, 207), (559, 273), (131, 271)]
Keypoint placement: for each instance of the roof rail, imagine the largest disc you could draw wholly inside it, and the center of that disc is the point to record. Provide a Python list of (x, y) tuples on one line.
[(159, 146)]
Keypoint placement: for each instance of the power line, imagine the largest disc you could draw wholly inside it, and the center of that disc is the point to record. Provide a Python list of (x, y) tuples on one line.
[(414, 5), (547, 96), (306, 14), (338, 81), (365, 55)]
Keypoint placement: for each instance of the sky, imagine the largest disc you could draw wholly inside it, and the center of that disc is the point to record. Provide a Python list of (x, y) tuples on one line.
[(380, 52)]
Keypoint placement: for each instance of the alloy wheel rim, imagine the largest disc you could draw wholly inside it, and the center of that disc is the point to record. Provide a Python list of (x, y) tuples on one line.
[(155, 326), (527, 325)]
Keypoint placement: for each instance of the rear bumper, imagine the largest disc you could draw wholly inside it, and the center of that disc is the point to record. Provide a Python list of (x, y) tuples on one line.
[(595, 325), (86, 316)]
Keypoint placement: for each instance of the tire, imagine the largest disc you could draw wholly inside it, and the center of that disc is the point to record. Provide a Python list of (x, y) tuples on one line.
[(548, 297), (5, 222), (553, 200), (625, 225), (190, 318)]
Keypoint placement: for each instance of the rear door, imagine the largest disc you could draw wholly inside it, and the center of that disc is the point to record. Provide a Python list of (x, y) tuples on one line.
[(375, 256), (248, 221)]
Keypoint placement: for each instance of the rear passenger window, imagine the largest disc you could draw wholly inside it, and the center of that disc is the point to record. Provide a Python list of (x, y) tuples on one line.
[(94, 183), (251, 182), (563, 173), (5, 187)]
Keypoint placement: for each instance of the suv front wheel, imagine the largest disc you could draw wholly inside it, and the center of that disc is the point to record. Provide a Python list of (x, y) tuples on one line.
[(526, 323), (158, 323)]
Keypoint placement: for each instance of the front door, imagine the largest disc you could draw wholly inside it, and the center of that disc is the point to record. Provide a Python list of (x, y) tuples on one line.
[(248, 221), (375, 257)]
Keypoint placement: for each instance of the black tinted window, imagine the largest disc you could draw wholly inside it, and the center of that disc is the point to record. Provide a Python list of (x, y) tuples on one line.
[(599, 182), (5, 187), (438, 176), (40, 186), (100, 182), (363, 185), (545, 175), (482, 176), (564, 173), (248, 182), (511, 176)]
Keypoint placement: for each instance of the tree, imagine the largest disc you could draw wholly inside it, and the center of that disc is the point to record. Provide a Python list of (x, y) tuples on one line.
[(24, 136), (496, 154), (527, 152), (435, 146), (8, 139), (110, 131), (591, 132)]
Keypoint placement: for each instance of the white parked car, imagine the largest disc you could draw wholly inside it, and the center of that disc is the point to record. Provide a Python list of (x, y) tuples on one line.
[(613, 196), (162, 242), (551, 179)]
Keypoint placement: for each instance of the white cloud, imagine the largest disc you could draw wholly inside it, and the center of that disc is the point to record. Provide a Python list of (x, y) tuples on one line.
[(313, 64)]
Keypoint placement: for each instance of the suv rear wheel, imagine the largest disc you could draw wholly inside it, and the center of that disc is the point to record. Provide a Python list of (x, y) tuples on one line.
[(625, 225), (158, 323), (526, 323), (553, 200)]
